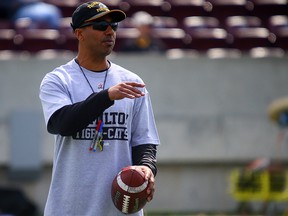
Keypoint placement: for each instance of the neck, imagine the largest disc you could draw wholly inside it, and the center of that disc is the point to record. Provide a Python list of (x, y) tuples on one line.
[(93, 64)]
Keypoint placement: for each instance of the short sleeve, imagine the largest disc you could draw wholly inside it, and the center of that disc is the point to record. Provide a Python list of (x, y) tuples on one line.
[(53, 94), (144, 129)]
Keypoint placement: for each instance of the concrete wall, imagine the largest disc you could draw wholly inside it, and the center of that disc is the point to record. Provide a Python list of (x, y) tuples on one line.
[(211, 117)]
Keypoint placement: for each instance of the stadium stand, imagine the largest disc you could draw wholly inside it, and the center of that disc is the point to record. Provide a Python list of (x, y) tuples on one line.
[(200, 25)]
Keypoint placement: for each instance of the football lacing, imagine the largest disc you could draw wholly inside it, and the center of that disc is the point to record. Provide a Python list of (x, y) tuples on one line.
[(125, 204)]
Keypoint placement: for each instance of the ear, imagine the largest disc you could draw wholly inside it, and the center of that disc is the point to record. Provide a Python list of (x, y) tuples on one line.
[(79, 34)]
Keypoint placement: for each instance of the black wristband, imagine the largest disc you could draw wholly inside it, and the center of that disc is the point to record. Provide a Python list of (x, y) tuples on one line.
[(145, 155)]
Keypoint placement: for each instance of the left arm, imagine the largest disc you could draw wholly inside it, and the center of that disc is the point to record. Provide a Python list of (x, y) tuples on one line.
[(144, 141), (145, 155)]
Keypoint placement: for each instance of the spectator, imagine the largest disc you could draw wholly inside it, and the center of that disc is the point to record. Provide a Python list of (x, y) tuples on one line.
[(146, 42), (40, 14)]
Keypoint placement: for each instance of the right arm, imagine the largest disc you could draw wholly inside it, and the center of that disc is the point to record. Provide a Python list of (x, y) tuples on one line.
[(70, 119)]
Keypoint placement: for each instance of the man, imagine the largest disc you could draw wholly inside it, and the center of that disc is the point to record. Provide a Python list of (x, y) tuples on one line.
[(102, 119)]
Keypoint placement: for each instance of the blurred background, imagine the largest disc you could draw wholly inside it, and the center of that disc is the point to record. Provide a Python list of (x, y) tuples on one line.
[(214, 69)]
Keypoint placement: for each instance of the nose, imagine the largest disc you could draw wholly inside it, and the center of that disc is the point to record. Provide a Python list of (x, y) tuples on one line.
[(109, 30)]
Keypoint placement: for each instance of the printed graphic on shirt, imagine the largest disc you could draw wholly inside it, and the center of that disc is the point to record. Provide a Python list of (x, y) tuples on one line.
[(114, 128)]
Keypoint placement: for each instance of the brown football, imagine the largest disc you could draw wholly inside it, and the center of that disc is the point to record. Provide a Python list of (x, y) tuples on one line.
[(129, 190)]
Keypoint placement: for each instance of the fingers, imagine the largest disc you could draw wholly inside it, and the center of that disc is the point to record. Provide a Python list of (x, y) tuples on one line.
[(149, 176), (151, 188), (126, 90), (129, 90), (151, 182), (135, 84)]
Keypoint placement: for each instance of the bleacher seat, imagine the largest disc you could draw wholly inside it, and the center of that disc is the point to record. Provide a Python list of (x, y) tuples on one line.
[(205, 33), (171, 37), (278, 25), (159, 22), (5, 24), (66, 7), (266, 8), (248, 32), (165, 29), (217, 53), (235, 22), (34, 40), (153, 7), (184, 8), (7, 39), (277, 22), (246, 38), (224, 8), (70, 43), (263, 52), (124, 34), (67, 39), (127, 23), (203, 39), (165, 22), (181, 53), (200, 22), (111, 4)]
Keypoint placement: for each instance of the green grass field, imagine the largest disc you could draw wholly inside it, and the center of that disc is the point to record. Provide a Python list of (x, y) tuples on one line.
[(197, 214)]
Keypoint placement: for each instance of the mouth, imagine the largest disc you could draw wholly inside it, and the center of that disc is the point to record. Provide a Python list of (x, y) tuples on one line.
[(108, 42)]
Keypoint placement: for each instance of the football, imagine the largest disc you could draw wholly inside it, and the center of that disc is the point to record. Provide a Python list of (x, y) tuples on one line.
[(129, 190)]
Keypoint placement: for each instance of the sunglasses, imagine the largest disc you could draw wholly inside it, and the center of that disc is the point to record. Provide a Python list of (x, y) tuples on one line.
[(101, 25)]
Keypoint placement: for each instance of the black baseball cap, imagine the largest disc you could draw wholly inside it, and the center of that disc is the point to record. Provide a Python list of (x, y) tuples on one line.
[(93, 10)]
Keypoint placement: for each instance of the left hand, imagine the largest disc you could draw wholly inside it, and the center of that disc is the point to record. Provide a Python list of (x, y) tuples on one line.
[(151, 180)]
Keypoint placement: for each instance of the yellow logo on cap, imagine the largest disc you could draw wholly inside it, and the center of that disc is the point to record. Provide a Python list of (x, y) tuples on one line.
[(92, 4), (102, 9)]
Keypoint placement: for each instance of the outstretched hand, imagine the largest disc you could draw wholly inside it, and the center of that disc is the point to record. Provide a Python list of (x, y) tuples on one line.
[(126, 90)]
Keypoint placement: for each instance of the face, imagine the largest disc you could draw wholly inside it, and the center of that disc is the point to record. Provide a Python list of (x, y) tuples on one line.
[(96, 42)]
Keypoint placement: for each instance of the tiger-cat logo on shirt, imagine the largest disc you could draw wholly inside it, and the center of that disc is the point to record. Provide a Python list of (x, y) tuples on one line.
[(114, 128)]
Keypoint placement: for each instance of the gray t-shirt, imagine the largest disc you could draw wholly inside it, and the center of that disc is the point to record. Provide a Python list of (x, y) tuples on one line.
[(81, 179)]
